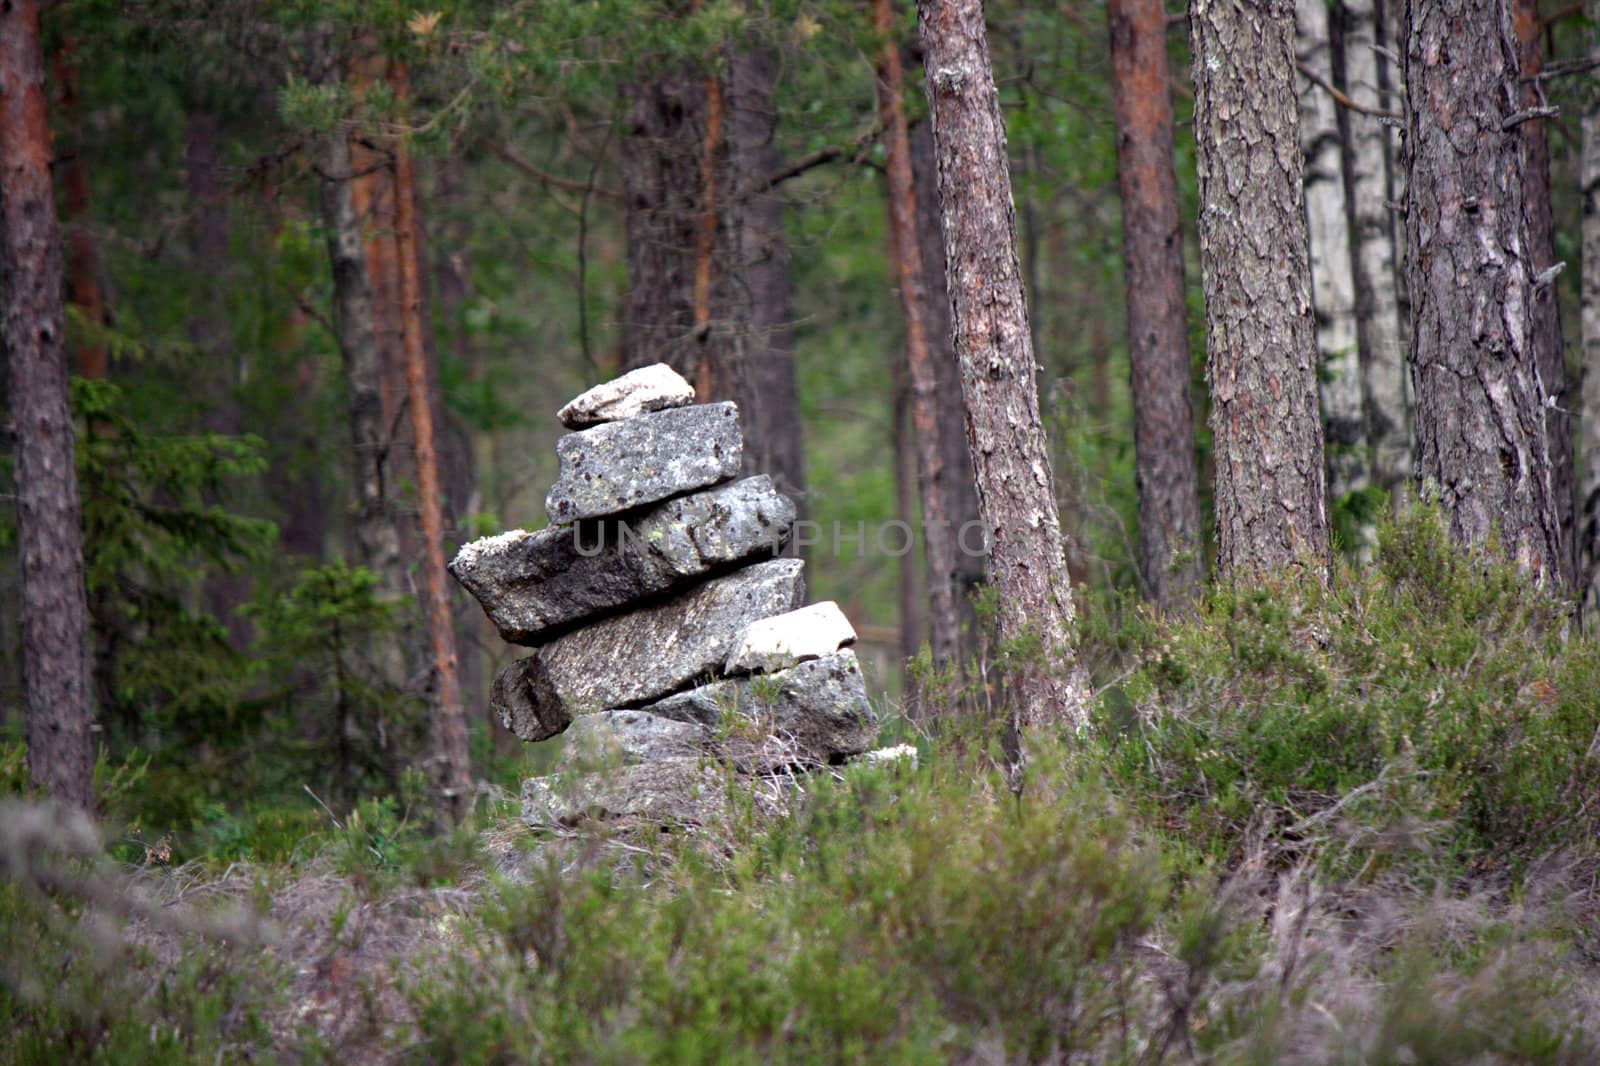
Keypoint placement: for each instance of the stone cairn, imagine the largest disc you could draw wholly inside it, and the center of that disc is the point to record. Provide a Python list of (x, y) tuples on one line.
[(669, 639)]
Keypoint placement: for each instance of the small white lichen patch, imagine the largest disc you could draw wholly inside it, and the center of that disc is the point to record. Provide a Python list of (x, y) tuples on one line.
[(473, 552)]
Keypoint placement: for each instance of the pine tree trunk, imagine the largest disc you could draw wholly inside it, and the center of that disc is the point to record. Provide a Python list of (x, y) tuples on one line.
[(446, 761), (661, 189), (960, 482), (1379, 326), (1480, 429), (1261, 356), (377, 540), (753, 338), (1549, 346), (990, 325), (1333, 295), (1589, 419), (938, 538), (54, 616), (1170, 563), (77, 212)]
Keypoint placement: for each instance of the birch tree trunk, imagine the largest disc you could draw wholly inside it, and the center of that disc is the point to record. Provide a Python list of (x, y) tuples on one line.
[(1333, 294), (446, 762), (1170, 563), (990, 325), (1589, 420), (938, 538), (1261, 355), (54, 614), (1480, 425), (1549, 346), (1379, 327)]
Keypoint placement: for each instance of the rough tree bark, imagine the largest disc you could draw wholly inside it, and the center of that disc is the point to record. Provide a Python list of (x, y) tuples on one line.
[(753, 331), (1261, 355), (377, 540), (1379, 326), (661, 182), (1170, 563), (54, 615), (1333, 295), (1549, 346), (990, 325), (1589, 421), (938, 538), (446, 764), (1480, 429)]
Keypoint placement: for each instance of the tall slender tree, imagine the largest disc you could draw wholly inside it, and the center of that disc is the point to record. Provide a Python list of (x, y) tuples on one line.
[(960, 483), (1588, 517), (1368, 78), (447, 762), (1480, 425), (1333, 295), (753, 335), (1170, 563), (989, 319), (1549, 345), (1261, 355), (938, 537), (84, 288), (54, 615)]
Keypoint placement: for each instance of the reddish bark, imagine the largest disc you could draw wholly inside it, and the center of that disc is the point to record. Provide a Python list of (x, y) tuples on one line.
[(54, 615), (77, 211), (448, 766), (938, 538), (1158, 337)]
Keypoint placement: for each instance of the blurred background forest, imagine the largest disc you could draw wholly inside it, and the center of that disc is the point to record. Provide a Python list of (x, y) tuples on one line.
[(230, 620)]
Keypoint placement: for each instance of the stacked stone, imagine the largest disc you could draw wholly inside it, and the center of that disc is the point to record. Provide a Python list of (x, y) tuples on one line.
[(670, 641)]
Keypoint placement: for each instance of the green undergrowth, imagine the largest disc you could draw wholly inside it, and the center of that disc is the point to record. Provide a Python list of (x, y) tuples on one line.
[(1325, 824), (1429, 710)]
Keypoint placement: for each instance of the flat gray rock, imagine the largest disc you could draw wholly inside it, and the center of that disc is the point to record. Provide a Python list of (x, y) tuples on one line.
[(534, 585), (780, 642), (633, 658), (618, 466), (811, 714), (650, 388), (614, 739), (685, 791)]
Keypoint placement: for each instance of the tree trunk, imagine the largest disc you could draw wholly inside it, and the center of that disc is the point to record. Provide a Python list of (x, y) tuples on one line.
[(960, 483), (83, 253), (938, 538), (1333, 296), (1549, 347), (661, 189), (1480, 430), (54, 615), (1589, 420), (751, 348), (990, 325), (1260, 345), (1170, 564), (1379, 326), (446, 760), (377, 540)]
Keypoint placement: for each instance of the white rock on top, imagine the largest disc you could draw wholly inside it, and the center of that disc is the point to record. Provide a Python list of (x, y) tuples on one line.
[(779, 642), (650, 388)]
